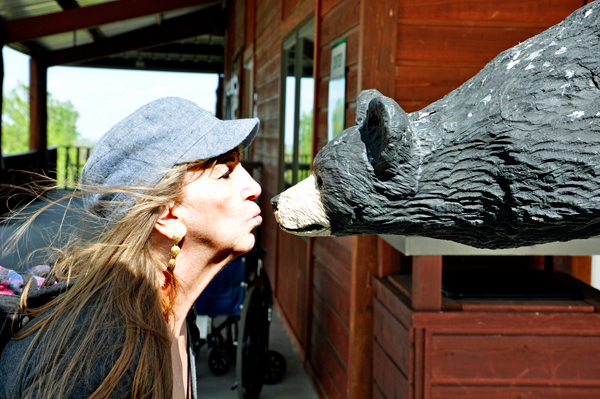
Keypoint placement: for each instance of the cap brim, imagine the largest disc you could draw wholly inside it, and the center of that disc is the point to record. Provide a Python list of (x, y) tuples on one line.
[(223, 137)]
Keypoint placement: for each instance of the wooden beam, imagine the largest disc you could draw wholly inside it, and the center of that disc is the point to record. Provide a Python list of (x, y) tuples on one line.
[(2, 169), (309, 295), (38, 115), (579, 267), (29, 28), (192, 25), (427, 283), (360, 357), (69, 5), (219, 114), (154, 65), (388, 259), (310, 260), (377, 63), (374, 16), (189, 48)]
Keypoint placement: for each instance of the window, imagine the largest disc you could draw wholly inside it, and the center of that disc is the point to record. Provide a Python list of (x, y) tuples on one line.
[(298, 88)]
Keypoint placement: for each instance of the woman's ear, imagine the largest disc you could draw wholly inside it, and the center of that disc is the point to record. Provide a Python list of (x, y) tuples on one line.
[(169, 223)]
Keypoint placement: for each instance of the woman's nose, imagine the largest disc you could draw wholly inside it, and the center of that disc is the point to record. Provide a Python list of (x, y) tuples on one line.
[(252, 190)]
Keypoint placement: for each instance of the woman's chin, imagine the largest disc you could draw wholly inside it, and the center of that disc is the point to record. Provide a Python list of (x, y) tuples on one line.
[(246, 246)]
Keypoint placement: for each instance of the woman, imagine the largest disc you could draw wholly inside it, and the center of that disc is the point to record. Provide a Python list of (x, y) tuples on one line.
[(176, 206)]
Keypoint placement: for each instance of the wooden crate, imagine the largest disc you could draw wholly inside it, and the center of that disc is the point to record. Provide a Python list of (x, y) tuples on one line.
[(484, 349)]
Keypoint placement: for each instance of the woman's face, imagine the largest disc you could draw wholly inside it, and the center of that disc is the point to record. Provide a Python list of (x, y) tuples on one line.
[(218, 207)]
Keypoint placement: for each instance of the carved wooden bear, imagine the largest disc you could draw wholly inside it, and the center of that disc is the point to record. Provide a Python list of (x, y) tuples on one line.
[(510, 158)]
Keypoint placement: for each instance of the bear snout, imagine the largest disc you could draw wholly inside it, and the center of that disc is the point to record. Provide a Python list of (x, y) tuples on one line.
[(299, 210), (274, 201)]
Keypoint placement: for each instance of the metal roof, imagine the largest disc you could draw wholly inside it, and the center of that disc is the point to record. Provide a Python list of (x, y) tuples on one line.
[(174, 35)]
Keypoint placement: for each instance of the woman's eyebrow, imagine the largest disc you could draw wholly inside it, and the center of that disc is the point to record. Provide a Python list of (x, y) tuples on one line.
[(228, 159)]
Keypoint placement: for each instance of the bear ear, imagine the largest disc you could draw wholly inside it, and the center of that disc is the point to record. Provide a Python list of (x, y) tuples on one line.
[(362, 104), (387, 135)]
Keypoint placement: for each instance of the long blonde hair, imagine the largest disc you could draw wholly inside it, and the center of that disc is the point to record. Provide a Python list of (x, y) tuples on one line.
[(119, 299)]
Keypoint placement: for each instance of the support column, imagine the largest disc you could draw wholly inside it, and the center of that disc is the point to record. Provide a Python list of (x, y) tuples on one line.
[(360, 357), (579, 267), (427, 283), (376, 70), (38, 113), (2, 168), (220, 98)]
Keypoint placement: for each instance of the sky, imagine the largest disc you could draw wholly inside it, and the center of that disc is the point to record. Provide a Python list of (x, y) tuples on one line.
[(105, 96)]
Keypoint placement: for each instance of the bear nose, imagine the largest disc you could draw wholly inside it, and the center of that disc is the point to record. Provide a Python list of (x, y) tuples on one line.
[(274, 202)]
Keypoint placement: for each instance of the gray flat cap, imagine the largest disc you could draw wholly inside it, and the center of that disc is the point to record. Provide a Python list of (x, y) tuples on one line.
[(139, 150)]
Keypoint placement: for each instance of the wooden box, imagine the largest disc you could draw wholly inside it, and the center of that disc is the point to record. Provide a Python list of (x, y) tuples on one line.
[(474, 349)]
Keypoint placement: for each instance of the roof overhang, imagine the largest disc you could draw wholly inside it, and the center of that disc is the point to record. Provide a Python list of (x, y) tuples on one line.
[(174, 35)]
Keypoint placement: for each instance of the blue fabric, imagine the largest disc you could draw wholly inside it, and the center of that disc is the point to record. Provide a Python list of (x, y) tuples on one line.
[(225, 293)]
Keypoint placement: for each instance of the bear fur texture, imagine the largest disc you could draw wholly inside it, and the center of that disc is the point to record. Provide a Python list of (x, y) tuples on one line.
[(510, 158)]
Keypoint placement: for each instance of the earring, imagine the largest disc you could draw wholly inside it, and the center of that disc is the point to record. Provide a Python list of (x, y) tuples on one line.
[(175, 250)]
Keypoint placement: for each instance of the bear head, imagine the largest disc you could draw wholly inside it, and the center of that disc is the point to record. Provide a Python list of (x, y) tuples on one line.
[(355, 174)]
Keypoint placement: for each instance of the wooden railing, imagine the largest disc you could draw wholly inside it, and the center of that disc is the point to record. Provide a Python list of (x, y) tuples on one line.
[(70, 161)]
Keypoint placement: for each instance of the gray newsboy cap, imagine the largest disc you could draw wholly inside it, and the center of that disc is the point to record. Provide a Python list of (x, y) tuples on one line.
[(139, 150)]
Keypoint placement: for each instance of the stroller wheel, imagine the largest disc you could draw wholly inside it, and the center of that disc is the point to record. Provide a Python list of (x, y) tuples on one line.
[(276, 368), (217, 363)]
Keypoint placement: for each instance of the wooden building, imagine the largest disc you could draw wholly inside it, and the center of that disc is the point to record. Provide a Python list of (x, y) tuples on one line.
[(368, 320), (278, 60)]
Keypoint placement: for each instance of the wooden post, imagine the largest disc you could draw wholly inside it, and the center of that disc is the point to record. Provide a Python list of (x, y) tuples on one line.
[(378, 24), (388, 259), (377, 47), (220, 105), (2, 41), (308, 294), (2, 168), (38, 114), (579, 267), (310, 264), (427, 283), (360, 357)]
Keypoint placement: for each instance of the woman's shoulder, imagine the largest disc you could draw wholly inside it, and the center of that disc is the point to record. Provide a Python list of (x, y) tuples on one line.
[(22, 360), (13, 370)]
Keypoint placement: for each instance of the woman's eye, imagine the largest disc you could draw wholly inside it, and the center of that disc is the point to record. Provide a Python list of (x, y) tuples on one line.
[(226, 174)]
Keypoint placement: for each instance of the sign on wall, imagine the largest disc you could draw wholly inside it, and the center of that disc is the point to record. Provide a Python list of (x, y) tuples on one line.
[(336, 113)]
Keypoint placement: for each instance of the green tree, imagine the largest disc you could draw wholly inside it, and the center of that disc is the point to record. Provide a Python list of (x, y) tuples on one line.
[(305, 147), (306, 133), (62, 119)]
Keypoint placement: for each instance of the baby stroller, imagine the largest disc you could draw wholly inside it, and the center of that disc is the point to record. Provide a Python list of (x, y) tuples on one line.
[(241, 293)]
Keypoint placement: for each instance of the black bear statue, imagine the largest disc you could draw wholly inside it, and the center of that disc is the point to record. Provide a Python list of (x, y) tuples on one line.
[(511, 158)]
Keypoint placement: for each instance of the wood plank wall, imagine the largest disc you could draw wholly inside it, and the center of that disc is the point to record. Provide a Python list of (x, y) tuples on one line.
[(330, 332), (436, 45), (285, 260), (267, 57), (443, 43)]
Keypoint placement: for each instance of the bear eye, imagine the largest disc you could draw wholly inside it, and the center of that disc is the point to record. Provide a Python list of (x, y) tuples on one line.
[(319, 182)]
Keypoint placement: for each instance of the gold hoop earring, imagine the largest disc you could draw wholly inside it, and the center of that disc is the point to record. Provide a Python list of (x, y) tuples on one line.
[(175, 250)]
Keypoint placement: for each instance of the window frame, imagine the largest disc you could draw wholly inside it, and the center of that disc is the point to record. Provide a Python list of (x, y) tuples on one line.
[(295, 38)]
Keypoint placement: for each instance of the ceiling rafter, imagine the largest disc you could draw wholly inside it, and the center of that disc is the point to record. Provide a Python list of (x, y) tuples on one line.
[(156, 65), (203, 22), (96, 33), (29, 28)]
